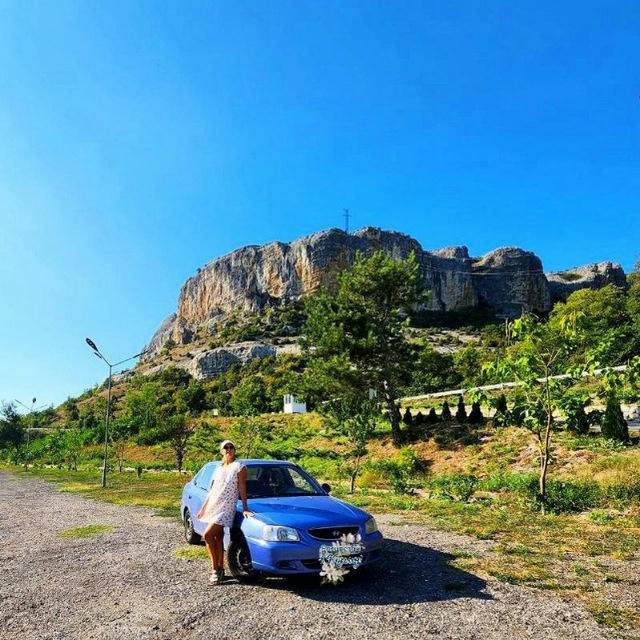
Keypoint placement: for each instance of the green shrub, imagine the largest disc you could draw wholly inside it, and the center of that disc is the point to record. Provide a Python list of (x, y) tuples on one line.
[(572, 497), (454, 486), (461, 411), (400, 469), (445, 416)]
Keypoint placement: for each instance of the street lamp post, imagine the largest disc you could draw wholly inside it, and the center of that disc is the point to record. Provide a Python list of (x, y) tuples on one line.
[(30, 410), (96, 352)]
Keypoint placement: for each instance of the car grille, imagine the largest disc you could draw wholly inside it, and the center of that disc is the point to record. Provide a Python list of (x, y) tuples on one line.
[(332, 533)]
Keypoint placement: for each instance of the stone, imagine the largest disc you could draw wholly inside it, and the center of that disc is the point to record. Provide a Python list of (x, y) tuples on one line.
[(211, 363)]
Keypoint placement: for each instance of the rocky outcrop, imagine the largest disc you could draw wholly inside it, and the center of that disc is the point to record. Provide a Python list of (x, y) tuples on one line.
[(505, 280), (510, 281), (216, 361), (591, 276)]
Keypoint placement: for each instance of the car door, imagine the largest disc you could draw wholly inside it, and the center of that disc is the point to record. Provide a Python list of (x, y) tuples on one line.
[(200, 488)]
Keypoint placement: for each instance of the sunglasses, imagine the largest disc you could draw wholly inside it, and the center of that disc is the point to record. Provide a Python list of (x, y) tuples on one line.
[(228, 446)]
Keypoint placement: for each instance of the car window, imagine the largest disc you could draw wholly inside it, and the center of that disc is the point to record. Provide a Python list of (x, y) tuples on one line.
[(275, 480), (203, 479)]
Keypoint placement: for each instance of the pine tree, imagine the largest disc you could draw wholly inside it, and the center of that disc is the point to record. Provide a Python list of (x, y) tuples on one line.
[(446, 412), (500, 417), (432, 416), (614, 426), (476, 417), (419, 419), (407, 417), (461, 412)]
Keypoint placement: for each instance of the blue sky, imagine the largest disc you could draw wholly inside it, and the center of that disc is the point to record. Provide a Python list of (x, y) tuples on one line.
[(139, 140)]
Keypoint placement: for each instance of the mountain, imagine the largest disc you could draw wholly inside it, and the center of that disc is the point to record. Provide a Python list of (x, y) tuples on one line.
[(506, 281)]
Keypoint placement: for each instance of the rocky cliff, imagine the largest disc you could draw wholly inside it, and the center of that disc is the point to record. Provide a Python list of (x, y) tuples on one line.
[(249, 278), (591, 276)]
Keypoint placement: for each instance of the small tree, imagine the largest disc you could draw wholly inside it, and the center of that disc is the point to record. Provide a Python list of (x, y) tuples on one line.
[(432, 416), (355, 418), (476, 417), (249, 434), (614, 426), (72, 442), (407, 418), (120, 430), (461, 411), (541, 352), (419, 419), (12, 431), (179, 433), (445, 415)]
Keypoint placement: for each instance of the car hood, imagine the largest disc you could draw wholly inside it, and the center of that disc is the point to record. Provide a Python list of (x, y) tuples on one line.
[(307, 511)]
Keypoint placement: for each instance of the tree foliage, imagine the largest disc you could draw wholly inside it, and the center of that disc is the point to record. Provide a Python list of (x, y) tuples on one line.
[(356, 337)]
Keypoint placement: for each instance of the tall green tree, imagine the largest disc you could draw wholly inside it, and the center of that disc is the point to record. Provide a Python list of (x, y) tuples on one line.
[(355, 337)]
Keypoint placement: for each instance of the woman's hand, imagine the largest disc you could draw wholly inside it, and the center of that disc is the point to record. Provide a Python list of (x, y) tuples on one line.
[(247, 513)]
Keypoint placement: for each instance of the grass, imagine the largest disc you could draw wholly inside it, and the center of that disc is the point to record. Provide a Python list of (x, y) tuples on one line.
[(191, 552), (87, 531)]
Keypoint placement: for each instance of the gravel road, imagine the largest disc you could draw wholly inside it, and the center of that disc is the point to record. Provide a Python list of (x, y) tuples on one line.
[(127, 583)]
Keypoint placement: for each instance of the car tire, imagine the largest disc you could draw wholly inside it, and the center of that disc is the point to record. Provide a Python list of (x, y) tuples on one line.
[(189, 534), (239, 561)]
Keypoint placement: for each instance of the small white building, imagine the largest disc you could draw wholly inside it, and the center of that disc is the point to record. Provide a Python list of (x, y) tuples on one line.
[(291, 406)]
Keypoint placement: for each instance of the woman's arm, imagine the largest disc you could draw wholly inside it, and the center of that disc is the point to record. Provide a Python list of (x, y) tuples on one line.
[(242, 487), (203, 507)]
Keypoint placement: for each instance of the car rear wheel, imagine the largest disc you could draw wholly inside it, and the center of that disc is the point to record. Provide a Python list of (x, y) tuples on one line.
[(239, 559), (189, 534)]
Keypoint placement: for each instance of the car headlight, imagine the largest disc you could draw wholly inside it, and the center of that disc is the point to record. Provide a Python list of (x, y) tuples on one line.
[(278, 533), (370, 526)]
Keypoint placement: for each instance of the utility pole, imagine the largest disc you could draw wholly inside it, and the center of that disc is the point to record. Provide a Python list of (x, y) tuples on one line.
[(97, 353), (346, 220)]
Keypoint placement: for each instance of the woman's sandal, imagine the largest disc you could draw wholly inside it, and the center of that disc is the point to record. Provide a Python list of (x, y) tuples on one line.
[(217, 576)]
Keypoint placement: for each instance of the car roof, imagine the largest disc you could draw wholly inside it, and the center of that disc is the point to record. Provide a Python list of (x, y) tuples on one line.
[(253, 461)]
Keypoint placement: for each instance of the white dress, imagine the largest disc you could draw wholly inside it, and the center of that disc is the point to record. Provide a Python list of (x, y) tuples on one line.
[(223, 495)]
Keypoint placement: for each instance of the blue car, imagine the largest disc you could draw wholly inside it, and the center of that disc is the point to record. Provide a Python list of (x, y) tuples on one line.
[(294, 517)]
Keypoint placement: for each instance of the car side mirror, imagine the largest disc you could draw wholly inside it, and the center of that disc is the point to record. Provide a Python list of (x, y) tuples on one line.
[(326, 487)]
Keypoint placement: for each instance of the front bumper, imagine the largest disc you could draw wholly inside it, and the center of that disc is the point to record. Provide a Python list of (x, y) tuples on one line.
[(286, 558)]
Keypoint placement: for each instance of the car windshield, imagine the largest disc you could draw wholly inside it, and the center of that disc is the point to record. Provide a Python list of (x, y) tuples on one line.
[(269, 481)]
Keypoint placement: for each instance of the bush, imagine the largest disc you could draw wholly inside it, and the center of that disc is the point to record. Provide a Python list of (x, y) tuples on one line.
[(577, 420), (446, 412), (400, 469), (407, 418), (454, 486), (432, 416), (572, 497)]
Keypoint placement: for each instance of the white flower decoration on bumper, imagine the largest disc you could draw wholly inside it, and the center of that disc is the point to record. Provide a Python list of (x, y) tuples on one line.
[(333, 569)]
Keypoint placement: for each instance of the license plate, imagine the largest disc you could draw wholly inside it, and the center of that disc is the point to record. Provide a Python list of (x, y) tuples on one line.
[(340, 555)]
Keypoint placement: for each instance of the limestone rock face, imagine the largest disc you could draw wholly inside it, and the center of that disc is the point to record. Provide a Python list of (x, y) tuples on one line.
[(216, 361), (510, 281), (249, 278), (591, 276)]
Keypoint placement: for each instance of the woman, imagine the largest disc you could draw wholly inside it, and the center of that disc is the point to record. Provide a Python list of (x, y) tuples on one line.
[(219, 507)]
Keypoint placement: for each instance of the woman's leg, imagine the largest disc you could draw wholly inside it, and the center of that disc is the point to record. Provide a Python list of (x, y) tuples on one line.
[(213, 536)]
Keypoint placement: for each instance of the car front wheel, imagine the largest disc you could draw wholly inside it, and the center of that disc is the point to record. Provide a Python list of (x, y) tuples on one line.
[(189, 534), (239, 559)]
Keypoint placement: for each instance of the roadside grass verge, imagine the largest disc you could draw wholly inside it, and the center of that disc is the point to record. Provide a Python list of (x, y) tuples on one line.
[(86, 531), (191, 552), (160, 490)]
